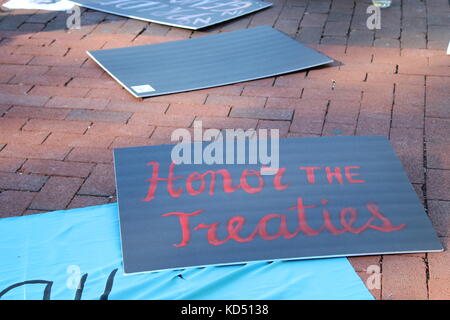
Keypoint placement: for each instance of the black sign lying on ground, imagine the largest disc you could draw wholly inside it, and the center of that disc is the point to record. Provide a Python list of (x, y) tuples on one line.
[(331, 197), (205, 62), (189, 14)]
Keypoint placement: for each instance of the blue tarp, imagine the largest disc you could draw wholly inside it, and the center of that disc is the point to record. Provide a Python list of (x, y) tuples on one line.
[(76, 254)]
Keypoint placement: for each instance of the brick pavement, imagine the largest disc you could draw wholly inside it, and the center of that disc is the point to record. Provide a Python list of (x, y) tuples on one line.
[(61, 115)]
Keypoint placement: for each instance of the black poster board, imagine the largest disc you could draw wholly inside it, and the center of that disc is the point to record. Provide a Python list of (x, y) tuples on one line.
[(189, 14), (331, 197), (206, 62)]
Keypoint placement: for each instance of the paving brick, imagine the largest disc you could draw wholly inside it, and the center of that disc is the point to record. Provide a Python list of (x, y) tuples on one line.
[(438, 184), (59, 91), (404, 278), (41, 51), (409, 94), (338, 129), (289, 103), (57, 61), (91, 154), (443, 61), (143, 106), (34, 151), (4, 109), (295, 80), (438, 155), (78, 140), (437, 104), (23, 137), (100, 182), (118, 129), (439, 289), (439, 212), (255, 91), (37, 113), (57, 168), (407, 116), (309, 120), (14, 203), (56, 194), (309, 34), (56, 126), (198, 110), (337, 28), (15, 89), (186, 97), (227, 123), (236, 101), (44, 80), (334, 74), (360, 264), (408, 145), (161, 120), (10, 164), (343, 112), (5, 78), (430, 70), (438, 261), (281, 126), (373, 124), (23, 182), (77, 103), (262, 113), (15, 59), (437, 129), (103, 116), (163, 135), (87, 201), (229, 90), (23, 100), (64, 71), (126, 142), (313, 20), (114, 94), (93, 83), (384, 68), (375, 101), (11, 124)]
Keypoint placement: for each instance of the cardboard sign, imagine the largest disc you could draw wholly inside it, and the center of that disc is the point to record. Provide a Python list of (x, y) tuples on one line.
[(206, 62), (189, 14), (331, 197)]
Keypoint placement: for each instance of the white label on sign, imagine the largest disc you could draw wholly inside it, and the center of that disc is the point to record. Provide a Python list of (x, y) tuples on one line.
[(143, 89)]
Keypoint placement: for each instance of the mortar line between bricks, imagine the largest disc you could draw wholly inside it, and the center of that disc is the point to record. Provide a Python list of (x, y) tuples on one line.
[(358, 115), (139, 33), (45, 139), (325, 117), (392, 110), (381, 274), (424, 186)]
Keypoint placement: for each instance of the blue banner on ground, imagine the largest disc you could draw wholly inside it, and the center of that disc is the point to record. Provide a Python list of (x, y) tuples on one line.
[(76, 254)]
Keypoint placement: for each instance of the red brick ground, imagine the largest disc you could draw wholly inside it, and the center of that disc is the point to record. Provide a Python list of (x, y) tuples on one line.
[(61, 115)]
